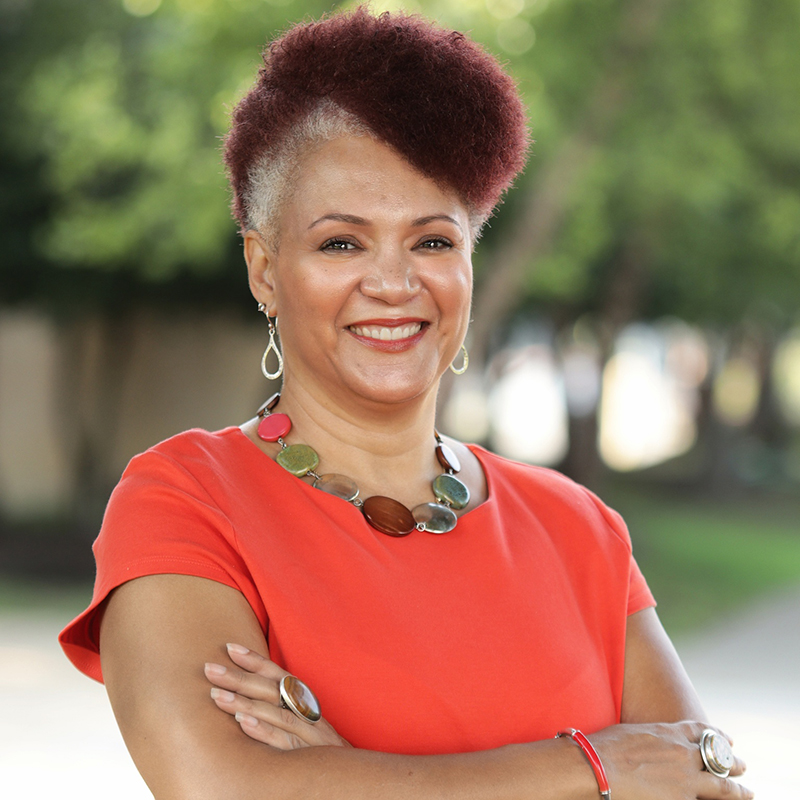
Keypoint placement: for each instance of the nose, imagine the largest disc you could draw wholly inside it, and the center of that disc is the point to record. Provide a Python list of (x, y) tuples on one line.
[(392, 277)]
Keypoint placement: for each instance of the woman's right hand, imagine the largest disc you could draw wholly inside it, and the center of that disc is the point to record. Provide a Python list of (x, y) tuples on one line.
[(251, 694), (661, 761)]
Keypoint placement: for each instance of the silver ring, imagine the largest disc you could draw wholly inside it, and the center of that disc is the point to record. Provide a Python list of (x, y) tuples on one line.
[(716, 752), (299, 699)]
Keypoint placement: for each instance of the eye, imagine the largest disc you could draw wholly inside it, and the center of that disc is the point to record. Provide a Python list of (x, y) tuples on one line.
[(337, 245), (435, 243)]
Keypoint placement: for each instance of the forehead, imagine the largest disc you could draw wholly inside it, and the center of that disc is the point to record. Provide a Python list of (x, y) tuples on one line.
[(360, 176)]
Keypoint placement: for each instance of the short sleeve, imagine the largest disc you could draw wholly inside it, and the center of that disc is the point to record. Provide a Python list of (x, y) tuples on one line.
[(160, 519), (639, 594)]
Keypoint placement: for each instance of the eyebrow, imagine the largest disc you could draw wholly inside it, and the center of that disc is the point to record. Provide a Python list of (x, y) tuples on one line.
[(349, 218), (418, 223), (353, 220)]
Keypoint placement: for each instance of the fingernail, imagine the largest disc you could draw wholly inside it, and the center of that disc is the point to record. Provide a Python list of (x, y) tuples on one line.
[(222, 695), (215, 669), (245, 719), (237, 648)]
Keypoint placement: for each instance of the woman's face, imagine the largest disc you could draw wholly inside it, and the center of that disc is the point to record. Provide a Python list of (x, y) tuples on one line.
[(373, 276)]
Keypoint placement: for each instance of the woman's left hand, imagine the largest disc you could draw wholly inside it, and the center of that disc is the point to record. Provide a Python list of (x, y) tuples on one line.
[(251, 694)]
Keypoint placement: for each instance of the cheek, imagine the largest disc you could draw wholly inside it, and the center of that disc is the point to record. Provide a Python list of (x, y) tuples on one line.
[(455, 290), (311, 301)]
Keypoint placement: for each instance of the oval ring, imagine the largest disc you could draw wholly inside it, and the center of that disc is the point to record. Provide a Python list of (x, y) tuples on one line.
[(716, 752), (299, 699)]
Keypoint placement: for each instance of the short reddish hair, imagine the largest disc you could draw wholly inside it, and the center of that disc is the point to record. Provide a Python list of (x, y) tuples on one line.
[(435, 96)]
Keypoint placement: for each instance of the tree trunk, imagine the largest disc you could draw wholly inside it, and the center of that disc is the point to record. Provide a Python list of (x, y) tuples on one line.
[(546, 205)]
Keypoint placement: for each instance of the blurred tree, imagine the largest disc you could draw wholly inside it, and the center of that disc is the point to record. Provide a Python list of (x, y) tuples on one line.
[(666, 178), (115, 113), (669, 129)]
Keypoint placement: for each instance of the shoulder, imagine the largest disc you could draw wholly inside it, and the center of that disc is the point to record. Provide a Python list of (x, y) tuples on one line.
[(195, 444), (194, 452), (549, 493), (196, 465), (526, 477)]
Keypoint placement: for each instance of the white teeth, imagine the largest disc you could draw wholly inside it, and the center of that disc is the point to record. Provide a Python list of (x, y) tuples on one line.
[(388, 334)]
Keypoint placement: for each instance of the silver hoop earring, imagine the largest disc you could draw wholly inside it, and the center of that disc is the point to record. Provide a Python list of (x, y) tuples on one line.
[(271, 376), (463, 368)]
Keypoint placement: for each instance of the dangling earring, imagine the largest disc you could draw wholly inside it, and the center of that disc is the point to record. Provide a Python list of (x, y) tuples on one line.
[(271, 376), (463, 368)]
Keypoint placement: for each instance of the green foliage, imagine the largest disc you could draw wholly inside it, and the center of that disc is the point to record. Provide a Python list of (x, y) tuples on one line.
[(704, 561), (124, 114)]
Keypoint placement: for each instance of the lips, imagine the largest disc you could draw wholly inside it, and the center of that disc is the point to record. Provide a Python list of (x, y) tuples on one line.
[(384, 333)]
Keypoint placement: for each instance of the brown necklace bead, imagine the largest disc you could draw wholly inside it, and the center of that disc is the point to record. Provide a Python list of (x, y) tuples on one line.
[(388, 516), (447, 458)]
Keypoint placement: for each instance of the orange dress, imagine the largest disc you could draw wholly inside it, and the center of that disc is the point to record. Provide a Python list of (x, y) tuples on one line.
[(507, 629)]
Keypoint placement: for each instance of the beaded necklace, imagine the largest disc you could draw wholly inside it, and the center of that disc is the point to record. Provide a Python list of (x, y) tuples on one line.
[(385, 514)]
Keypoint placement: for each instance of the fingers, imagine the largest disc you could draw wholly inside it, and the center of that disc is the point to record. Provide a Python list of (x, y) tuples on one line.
[(264, 732), (250, 691), (264, 721), (254, 662), (713, 788), (738, 768), (274, 725), (259, 677)]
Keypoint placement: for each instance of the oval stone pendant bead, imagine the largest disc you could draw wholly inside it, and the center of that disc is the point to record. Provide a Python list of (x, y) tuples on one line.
[(447, 458), (434, 517), (450, 489), (299, 459), (338, 486), (273, 427), (388, 516)]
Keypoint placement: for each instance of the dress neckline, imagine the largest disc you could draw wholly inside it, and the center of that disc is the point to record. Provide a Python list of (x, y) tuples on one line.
[(479, 452)]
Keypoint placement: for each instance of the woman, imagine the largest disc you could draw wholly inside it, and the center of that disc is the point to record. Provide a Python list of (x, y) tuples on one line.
[(363, 164)]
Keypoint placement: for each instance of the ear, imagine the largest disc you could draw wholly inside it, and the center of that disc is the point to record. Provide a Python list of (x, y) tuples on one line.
[(260, 260)]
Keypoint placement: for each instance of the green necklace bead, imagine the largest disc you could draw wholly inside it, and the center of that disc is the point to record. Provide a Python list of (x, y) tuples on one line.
[(434, 517), (299, 459), (449, 489)]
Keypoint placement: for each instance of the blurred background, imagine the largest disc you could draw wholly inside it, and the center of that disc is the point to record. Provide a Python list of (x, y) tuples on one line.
[(636, 319)]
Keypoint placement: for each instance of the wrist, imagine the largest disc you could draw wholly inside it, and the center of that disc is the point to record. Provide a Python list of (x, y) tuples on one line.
[(592, 757)]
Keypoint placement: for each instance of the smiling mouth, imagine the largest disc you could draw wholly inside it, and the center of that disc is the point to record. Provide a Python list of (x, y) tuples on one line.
[(384, 334)]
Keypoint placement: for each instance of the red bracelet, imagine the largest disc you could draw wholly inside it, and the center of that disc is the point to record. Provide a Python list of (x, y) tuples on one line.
[(594, 759)]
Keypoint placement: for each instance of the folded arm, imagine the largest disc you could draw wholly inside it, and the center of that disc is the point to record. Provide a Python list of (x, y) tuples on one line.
[(158, 632)]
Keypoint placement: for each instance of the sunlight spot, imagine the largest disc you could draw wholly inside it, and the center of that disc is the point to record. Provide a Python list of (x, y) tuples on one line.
[(736, 391), (787, 377), (504, 9), (141, 8), (528, 409), (516, 36), (645, 418)]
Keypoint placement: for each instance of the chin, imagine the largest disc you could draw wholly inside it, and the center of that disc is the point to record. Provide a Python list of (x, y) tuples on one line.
[(392, 389)]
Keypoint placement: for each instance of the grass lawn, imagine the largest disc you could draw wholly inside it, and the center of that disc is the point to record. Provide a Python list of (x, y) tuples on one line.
[(704, 560), (68, 599)]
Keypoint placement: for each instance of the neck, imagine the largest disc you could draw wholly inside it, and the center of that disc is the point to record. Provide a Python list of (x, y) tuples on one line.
[(386, 448)]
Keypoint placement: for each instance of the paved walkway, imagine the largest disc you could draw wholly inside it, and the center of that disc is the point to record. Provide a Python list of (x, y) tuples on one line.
[(748, 674), (58, 737)]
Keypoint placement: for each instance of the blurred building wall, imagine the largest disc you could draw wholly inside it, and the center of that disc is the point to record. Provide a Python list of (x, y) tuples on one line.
[(79, 398)]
